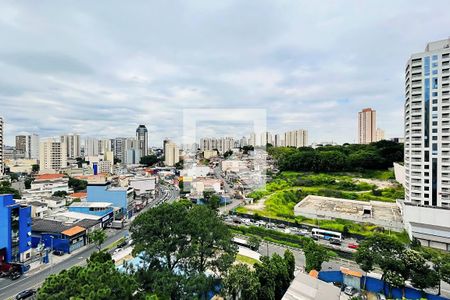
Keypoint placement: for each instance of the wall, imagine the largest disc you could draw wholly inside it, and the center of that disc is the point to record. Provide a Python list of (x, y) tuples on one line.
[(101, 193)]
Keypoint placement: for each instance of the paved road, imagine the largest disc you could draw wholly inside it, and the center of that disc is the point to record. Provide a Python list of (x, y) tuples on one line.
[(10, 288), (34, 279)]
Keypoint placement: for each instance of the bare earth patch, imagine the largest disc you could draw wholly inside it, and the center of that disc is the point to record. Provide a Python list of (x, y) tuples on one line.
[(381, 184)]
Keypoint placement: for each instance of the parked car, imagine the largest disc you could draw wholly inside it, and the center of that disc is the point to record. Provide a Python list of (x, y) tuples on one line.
[(117, 250), (302, 232), (121, 245), (334, 241), (281, 225), (58, 252), (25, 294), (350, 291), (381, 297), (353, 246), (15, 275)]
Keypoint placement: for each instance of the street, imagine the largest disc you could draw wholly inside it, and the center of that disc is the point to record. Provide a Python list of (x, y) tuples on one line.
[(34, 279)]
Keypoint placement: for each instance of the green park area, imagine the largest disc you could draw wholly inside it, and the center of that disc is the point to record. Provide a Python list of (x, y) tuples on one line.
[(278, 198)]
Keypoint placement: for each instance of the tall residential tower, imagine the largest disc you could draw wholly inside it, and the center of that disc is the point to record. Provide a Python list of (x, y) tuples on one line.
[(367, 126), (427, 145)]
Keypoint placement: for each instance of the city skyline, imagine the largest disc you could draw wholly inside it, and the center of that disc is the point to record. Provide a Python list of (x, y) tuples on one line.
[(308, 72)]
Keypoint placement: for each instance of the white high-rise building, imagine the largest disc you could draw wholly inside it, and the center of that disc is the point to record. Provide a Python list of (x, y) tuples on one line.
[(119, 149), (427, 145), (1, 147), (296, 138), (171, 154), (104, 145), (380, 134), (32, 149), (367, 126), (91, 147), (72, 142), (52, 155), (252, 139)]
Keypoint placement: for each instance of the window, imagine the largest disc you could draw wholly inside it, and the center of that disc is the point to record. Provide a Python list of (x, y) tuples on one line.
[(434, 72), (426, 66), (434, 57), (435, 123), (434, 108), (435, 95), (435, 83), (435, 64), (434, 130), (434, 138)]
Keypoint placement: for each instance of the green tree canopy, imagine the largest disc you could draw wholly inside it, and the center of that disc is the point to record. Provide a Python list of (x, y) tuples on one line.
[(315, 255), (99, 279), (241, 283), (149, 160), (98, 237)]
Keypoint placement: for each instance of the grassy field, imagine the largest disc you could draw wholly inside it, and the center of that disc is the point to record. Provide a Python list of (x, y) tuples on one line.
[(246, 259), (287, 189)]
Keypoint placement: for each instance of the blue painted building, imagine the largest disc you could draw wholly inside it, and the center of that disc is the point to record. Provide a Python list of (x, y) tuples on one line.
[(15, 230), (119, 197), (92, 208)]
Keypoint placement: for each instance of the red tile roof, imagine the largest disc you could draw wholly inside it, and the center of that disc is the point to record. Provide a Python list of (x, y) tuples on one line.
[(78, 195), (73, 231), (49, 176)]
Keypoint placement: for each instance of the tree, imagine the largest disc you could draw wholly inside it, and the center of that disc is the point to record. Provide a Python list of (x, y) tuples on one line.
[(99, 279), (149, 160), (227, 154), (5, 188), (35, 168), (98, 237), (60, 194), (254, 242), (315, 255), (14, 176), (178, 242), (241, 283), (365, 260), (28, 182), (274, 275), (290, 263), (77, 184)]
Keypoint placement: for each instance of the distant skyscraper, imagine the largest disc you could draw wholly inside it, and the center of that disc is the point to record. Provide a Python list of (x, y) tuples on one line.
[(52, 155), (104, 146), (1, 146), (252, 139), (172, 154), (367, 124), (72, 142), (142, 138), (91, 147), (380, 134), (28, 145), (119, 148), (296, 138), (21, 143)]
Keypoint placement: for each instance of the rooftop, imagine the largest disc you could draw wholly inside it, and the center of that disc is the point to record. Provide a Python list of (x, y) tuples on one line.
[(91, 204), (78, 195), (73, 231), (50, 176)]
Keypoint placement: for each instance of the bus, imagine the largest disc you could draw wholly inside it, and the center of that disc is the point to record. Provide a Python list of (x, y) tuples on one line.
[(326, 234), (243, 243)]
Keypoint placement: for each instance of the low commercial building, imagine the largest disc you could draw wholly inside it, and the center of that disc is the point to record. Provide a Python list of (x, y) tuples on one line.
[(235, 166), (20, 165), (15, 230), (120, 197), (56, 235), (143, 185), (309, 287), (387, 215), (46, 185), (79, 195), (430, 225)]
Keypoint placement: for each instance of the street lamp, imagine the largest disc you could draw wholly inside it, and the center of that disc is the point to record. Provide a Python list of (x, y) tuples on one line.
[(51, 250)]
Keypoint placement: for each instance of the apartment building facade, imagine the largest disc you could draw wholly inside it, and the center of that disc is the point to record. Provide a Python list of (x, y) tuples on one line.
[(367, 126)]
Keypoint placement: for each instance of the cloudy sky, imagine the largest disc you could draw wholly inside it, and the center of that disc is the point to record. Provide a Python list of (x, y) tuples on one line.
[(100, 68)]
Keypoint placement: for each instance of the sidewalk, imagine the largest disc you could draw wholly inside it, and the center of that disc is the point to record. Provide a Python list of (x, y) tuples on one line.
[(54, 260)]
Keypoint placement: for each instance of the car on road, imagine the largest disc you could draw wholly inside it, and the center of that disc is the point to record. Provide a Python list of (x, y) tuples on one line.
[(117, 250), (302, 232), (334, 241), (25, 294), (58, 252), (281, 225), (353, 246), (350, 291), (15, 275), (123, 244)]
